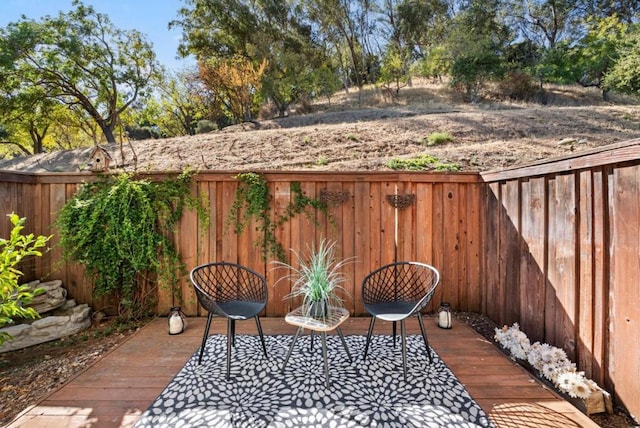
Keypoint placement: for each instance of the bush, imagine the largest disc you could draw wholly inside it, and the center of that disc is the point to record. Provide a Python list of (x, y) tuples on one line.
[(437, 138), (422, 163), (205, 126), (12, 296), (518, 86), (120, 230)]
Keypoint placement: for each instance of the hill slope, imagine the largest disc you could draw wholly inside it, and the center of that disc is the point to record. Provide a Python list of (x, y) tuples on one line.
[(486, 136)]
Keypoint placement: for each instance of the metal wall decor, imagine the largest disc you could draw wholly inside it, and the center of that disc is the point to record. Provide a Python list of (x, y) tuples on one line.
[(401, 200), (333, 197)]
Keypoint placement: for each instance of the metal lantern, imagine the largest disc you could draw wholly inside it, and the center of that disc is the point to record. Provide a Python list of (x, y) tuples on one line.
[(177, 321), (444, 315)]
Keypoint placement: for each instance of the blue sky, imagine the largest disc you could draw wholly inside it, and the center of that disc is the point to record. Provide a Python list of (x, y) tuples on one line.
[(150, 17)]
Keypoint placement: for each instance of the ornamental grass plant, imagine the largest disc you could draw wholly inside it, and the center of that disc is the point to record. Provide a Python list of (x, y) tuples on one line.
[(318, 278)]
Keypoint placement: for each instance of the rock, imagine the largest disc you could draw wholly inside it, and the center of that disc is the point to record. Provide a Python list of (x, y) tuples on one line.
[(65, 319), (567, 142), (53, 297)]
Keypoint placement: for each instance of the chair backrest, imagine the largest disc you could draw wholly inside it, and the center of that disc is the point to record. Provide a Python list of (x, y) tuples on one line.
[(221, 282), (405, 281)]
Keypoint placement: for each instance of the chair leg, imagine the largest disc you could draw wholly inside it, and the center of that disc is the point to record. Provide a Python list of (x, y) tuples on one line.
[(204, 338), (312, 336), (394, 330), (323, 336), (233, 331), (230, 340), (264, 346), (424, 336), (404, 349), (366, 346), (286, 360)]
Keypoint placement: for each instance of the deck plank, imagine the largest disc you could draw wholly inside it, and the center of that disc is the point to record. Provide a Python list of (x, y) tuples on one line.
[(118, 388)]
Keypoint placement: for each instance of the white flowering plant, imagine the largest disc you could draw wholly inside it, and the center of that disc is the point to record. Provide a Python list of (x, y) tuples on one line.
[(550, 362)]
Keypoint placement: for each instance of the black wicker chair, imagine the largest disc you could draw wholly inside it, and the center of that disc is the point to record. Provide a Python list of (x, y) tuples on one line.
[(232, 291), (395, 292)]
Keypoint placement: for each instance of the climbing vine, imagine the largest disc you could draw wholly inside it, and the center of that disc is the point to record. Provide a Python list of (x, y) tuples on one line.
[(120, 229), (253, 201)]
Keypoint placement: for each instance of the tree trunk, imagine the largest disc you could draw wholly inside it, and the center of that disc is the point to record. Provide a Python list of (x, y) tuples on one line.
[(108, 133)]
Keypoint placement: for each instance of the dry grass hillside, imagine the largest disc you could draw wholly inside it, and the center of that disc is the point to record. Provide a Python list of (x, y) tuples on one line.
[(365, 131)]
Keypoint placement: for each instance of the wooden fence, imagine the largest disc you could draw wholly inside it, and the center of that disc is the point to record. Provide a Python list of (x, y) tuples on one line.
[(442, 227), (563, 260), (554, 246)]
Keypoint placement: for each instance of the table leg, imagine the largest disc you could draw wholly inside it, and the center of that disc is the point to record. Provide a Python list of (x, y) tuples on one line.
[(344, 344), (286, 360), (323, 335)]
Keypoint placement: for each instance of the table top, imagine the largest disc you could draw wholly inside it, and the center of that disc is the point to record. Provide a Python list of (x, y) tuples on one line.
[(337, 315)]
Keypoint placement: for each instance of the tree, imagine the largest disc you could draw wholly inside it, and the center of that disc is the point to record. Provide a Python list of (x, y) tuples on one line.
[(423, 24), (623, 76), (598, 50), (273, 32), (81, 60), (479, 58), (26, 112), (232, 84), (13, 251), (343, 23), (394, 74), (546, 22)]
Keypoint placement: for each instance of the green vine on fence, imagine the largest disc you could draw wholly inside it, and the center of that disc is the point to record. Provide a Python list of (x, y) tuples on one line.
[(253, 202), (120, 229)]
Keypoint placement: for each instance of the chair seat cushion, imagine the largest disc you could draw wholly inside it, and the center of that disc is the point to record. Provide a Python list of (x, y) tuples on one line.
[(390, 311), (240, 310)]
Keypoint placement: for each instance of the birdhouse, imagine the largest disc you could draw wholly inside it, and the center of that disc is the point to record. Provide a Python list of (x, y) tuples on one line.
[(100, 159)]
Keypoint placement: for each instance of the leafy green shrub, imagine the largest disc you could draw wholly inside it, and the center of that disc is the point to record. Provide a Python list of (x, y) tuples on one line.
[(12, 296), (437, 138), (422, 163), (120, 229), (448, 167)]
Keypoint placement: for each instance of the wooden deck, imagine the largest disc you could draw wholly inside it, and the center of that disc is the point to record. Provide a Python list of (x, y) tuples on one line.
[(115, 391)]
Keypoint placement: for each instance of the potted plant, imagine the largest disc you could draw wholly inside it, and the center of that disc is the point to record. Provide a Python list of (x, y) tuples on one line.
[(318, 279)]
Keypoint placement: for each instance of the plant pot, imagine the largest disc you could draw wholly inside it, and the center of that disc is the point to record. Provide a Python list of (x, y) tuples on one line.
[(319, 309)]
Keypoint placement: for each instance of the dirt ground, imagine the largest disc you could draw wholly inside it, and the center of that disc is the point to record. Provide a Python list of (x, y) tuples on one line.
[(363, 132)]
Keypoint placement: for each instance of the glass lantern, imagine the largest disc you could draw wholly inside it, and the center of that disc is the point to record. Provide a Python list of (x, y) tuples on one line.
[(177, 321), (444, 315)]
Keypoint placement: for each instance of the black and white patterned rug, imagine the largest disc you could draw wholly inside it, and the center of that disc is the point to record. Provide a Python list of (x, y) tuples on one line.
[(369, 393)]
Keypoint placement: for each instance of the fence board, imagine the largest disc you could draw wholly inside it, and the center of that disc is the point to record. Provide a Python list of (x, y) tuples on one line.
[(473, 224), (362, 239), (437, 244), (451, 243), (533, 258), (586, 284), (286, 235), (625, 292), (601, 277)]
